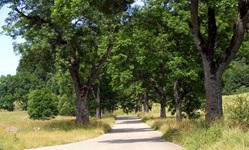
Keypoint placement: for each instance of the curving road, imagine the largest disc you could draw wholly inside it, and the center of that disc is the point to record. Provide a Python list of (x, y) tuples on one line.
[(128, 133)]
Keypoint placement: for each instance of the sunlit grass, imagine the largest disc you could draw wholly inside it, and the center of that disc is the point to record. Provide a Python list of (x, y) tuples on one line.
[(228, 100), (37, 133), (196, 134)]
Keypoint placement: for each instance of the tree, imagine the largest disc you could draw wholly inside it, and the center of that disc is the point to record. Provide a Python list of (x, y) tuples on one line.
[(16, 89), (6, 93), (109, 97), (156, 58), (79, 35), (184, 71), (42, 104), (23, 84), (216, 54), (152, 73), (174, 56)]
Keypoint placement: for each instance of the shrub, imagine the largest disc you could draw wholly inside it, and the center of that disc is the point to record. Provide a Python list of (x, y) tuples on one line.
[(238, 109), (42, 105)]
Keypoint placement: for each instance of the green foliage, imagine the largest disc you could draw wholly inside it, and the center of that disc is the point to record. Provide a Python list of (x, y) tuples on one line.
[(24, 82), (66, 105), (238, 109), (236, 78), (42, 104), (67, 35), (61, 85), (159, 55), (6, 93), (110, 7), (16, 88), (109, 97)]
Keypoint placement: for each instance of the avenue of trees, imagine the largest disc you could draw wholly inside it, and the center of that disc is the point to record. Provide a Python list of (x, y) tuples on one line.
[(83, 58)]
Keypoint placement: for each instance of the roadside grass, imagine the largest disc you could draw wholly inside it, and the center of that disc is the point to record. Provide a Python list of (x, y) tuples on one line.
[(196, 134), (230, 99), (19, 132)]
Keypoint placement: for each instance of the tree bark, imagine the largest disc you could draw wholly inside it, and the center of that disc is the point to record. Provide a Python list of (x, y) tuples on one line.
[(82, 113), (98, 100), (146, 102), (178, 101), (162, 108), (213, 87)]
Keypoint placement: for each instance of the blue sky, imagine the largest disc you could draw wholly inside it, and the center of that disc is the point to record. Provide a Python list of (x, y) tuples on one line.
[(8, 59)]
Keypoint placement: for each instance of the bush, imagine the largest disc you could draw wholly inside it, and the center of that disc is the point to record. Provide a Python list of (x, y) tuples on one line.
[(238, 109), (42, 105)]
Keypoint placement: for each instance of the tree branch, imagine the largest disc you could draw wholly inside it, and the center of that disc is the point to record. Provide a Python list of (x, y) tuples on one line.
[(194, 26), (103, 60), (238, 35), (212, 32), (154, 87), (34, 19)]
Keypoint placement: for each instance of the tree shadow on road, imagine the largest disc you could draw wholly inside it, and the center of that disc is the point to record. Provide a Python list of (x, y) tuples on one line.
[(153, 139), (129, 130)]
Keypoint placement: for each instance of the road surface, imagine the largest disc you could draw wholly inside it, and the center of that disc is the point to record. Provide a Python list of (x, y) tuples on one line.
[(128, 133)]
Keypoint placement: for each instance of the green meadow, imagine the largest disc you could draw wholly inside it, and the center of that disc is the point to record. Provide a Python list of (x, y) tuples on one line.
[(20, 132)]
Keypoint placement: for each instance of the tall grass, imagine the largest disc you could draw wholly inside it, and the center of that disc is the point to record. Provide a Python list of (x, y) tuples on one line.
[(196, 134), (32, 133)]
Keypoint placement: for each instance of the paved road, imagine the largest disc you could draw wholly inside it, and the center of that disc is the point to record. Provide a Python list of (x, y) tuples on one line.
[(128, 133)]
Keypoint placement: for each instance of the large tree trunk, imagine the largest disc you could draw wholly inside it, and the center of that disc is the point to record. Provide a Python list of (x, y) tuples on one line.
[(146, 102), (178, 101), (162, 108), (82, 113), (213, 87), (214, 66)]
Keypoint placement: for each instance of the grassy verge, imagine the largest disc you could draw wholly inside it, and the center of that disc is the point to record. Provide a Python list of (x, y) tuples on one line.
[(197, 135), (19, 132)]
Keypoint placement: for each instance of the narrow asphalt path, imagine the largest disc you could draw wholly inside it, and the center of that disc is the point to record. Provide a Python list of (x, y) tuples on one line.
[(128, 133)]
